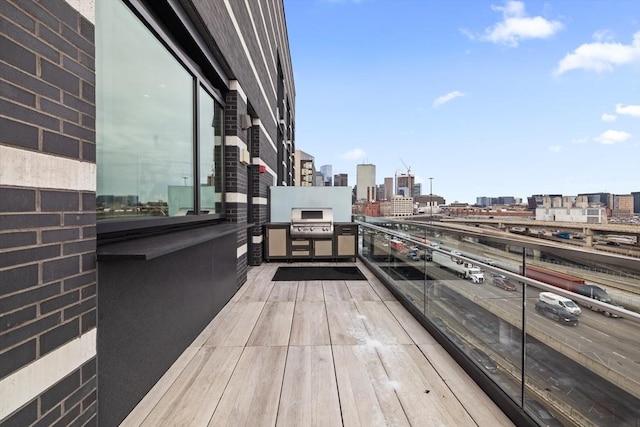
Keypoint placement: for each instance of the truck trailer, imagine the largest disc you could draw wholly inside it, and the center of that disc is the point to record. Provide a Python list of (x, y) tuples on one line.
[(463, 269), (396, 245), (572, 284)]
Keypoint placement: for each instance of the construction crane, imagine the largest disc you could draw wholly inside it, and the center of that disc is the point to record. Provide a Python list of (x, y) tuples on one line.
[(405, 165)]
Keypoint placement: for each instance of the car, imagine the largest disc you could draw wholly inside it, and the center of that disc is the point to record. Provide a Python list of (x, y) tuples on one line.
[(556, 313), (504, 283), (541, 414), (613, 244), (413, 256), (483, 360)]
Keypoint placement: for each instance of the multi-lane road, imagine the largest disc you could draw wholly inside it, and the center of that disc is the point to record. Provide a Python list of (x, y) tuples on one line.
[(605, 349)]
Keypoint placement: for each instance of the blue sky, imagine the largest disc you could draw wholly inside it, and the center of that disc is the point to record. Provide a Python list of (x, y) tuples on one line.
[(490, 98)]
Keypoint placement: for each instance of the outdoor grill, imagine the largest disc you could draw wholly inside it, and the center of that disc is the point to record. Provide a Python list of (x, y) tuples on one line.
[(311, 222)]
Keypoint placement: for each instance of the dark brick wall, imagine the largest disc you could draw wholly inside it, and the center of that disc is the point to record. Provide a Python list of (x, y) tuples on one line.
[(47, 235), (72, 401), (236, 174)]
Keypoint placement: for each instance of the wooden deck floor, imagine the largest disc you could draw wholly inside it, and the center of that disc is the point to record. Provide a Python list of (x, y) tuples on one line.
[(317, 353)]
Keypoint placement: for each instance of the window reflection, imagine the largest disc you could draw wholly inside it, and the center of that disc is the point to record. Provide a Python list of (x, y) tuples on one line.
[(145, 119)]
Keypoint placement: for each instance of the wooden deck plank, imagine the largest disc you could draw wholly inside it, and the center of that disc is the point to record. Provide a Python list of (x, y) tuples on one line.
[(252, 395), (202, 338), (345, 325), (480, 407), (309, 390), (414, 329), (283, 291), (193, 398), (274, 325), (367, 397), (425, 397), (310, 325), (335, 290), (236, 327), (381, 324), (258, 290), (261, 274), (310, 291), (378, 287), (151, 399), (340, 339), (361, 290)]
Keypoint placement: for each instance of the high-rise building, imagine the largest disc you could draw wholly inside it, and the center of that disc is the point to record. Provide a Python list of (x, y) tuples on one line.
[(416, 190), (380, 192), (388, 188), (305, 169), (366, 182), (636, 202), (622, 205), (327, 175), (404, 184), (341, 180)]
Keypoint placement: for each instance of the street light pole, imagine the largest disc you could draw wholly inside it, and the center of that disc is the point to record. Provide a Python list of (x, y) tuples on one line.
[(431, 200)]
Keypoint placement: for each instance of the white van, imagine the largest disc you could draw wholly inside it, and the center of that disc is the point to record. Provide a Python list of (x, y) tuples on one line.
[(566, 303)]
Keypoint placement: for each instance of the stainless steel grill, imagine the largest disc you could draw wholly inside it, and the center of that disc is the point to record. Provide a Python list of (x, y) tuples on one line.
[(311, 222)]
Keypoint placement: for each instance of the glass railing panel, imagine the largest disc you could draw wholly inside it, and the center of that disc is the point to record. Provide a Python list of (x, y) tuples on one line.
[(580, 370)]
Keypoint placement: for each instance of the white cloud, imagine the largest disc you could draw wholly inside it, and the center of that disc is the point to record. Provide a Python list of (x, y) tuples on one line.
[(448, 97), (613, 136), (601, 56), (608, 117), (579, 140), (604, 36), (517, 26), (555, 148), (356, 154), (631, 110)]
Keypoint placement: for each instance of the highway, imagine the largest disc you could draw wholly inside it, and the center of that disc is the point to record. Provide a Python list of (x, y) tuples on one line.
[(607, 346), (456, 304)]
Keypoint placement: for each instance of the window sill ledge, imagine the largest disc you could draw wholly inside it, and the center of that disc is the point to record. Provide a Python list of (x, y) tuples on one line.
[(148, 248)]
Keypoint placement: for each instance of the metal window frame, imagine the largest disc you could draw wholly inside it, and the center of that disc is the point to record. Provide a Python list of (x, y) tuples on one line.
[(128, 228)]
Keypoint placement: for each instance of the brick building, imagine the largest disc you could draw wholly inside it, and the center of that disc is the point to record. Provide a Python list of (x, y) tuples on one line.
[(135, 136)]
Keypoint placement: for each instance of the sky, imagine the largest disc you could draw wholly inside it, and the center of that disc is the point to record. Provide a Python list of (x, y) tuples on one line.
[(488, 98)]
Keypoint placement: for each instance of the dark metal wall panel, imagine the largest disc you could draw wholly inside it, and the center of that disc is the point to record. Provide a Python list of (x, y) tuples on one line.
[(150, 311)]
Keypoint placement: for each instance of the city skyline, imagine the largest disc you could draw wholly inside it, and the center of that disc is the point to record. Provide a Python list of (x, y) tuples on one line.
[(485, 97)]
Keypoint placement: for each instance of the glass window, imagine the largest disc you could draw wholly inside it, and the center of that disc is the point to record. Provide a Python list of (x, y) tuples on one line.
[(146, 118)]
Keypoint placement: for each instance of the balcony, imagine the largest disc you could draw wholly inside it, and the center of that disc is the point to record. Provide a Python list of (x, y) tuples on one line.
[(315, 353), (414, 344)]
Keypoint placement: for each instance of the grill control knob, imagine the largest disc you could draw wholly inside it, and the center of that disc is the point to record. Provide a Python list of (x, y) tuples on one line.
[(310, 228)]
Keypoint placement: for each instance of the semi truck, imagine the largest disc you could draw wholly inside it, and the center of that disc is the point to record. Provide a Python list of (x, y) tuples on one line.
[(572, 284), (463, 269), (396, 245)]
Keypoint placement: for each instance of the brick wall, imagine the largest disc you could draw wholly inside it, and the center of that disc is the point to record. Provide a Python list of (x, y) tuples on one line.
[(47, 214), (236, 174)]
